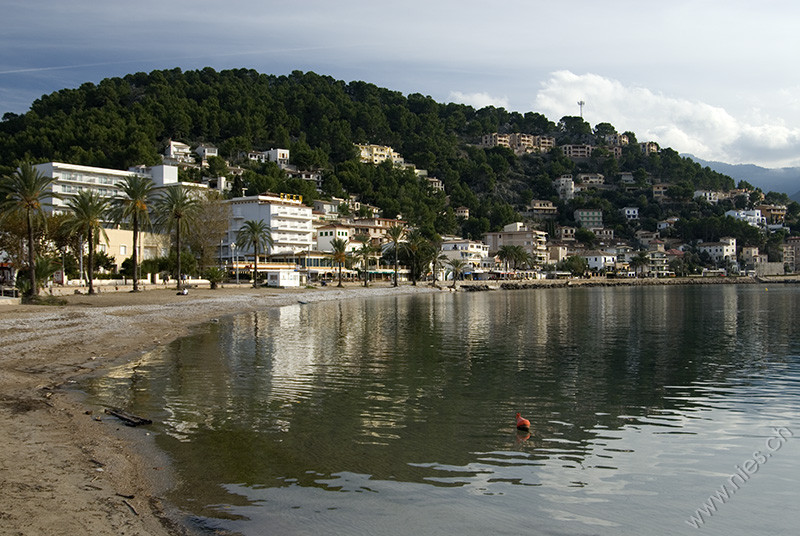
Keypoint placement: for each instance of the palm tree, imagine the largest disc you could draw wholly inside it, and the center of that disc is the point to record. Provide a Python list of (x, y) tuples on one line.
[(457, 267), (23, 193), (438, 263), (641, 260), (254, 234), (395, 234), (513, 256), (89, 210), (339, 255), (505, 253), (364, 254), (416, 249), (134, 207), (175, 207)]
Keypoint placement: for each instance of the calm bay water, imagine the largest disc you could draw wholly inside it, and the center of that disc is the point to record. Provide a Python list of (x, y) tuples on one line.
[(396, 415)]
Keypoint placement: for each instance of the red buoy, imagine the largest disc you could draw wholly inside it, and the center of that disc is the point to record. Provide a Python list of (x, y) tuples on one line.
[(523, 424)]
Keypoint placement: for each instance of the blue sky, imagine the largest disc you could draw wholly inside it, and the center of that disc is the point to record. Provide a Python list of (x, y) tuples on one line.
[(712, 78)]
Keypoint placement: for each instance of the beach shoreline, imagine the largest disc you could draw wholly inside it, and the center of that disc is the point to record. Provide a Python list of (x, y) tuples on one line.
[(69, 468)]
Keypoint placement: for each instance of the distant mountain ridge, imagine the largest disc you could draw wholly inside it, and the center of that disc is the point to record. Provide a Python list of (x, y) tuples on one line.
[(786, 180)]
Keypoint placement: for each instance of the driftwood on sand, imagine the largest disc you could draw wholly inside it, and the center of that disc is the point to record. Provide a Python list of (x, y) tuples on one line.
[(128, 418)]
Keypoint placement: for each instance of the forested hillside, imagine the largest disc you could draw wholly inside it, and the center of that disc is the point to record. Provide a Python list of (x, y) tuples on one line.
[(121, 122)]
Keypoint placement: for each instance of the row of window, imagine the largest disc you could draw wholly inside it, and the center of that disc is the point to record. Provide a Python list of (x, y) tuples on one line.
[(80, 177), (72, 189)]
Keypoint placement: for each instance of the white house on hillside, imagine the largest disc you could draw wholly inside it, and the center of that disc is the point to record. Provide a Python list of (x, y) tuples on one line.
[(177, 152), (752, 217)]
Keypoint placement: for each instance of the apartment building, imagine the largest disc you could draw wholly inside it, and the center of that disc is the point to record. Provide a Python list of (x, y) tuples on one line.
[(565, 186), (774, 214), (591, 179), (69, 179), (518, 234), (649, 147), (470, 251), (589, 217), (520, 143), (541, 209), (791, 253), (577, 151), (376, 154), (177, 152), (285, 214), (616, 139), (752, 217)]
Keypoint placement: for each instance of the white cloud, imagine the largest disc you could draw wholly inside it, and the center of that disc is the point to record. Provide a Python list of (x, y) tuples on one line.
[(478, 100), (707, 131)]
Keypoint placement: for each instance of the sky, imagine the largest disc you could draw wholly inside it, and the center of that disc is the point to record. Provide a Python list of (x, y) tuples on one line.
[(716, 79)]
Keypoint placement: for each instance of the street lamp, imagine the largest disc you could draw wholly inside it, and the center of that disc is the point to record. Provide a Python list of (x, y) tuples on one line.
[(235, 261)]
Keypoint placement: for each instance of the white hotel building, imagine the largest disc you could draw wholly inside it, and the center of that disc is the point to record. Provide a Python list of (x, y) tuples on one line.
[(285, 214), (69, 179)]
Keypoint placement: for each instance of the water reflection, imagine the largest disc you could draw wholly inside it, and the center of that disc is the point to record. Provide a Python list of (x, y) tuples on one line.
[(634, 395)]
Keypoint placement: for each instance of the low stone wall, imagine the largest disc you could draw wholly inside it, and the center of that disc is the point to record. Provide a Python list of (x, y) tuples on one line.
[(604, 282)]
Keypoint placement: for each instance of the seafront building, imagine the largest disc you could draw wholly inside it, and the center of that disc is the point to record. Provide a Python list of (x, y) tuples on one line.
[(724, 250), (286, 216), (472, 252), (533, 241), (69, 179)]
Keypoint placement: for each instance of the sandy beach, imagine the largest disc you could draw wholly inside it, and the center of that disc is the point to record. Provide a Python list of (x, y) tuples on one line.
[(68, 468)]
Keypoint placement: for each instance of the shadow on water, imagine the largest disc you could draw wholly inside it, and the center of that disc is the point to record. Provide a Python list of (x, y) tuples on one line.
[(410, 401)]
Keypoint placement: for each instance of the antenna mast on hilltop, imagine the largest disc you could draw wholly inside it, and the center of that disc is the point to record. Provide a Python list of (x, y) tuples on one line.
[(581, 103)]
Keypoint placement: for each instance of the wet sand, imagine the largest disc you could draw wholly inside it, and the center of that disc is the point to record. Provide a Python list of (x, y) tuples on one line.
[(68, 468)]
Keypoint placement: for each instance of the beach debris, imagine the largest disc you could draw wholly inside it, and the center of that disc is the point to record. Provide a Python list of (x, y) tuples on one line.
[(128, 418), (129, 505)]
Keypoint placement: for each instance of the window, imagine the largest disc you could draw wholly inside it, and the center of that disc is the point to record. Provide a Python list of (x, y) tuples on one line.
[(123, 249)]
